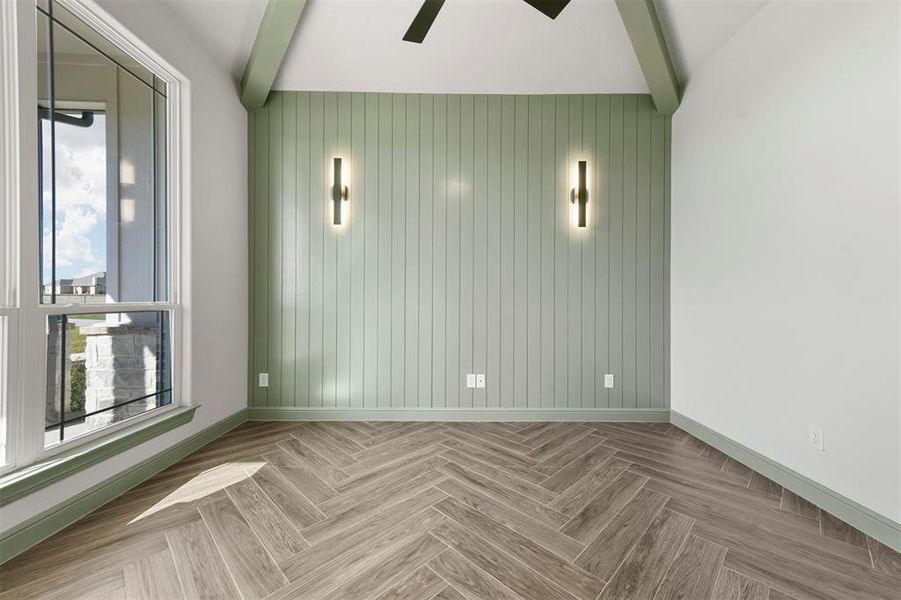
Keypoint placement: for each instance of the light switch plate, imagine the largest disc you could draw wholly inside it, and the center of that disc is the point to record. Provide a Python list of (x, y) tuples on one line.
[(470, 380), (480, 380), (264, 379), (608, 380)]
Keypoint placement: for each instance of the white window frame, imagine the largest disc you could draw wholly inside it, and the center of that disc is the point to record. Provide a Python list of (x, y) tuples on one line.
[(25, 386)]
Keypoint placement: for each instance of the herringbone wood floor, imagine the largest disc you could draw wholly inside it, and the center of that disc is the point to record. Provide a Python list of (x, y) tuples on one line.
[(538, 511)]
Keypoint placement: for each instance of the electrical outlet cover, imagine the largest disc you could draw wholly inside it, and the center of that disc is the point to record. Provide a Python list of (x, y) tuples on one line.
[(480, 380), (608, 380), (815, 437), (264, 379)]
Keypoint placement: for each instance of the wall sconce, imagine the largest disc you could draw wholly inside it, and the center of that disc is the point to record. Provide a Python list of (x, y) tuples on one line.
[(579, 195), (339, 191)]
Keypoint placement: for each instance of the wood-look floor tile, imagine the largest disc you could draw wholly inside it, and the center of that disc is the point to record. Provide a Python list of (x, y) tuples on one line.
[(297, 507), (576, 581), (520, 502), (500, 565), (365, 509), (731, 585), (502, 477), (513, 463), (547, 536), (201, 571), (391, 452), (490, 437), (252, 568), (694, 573), (588, 487), (589, 521), (395, 564), (416, 457), (381, 490), (740, 471), (884, 558), (576, 447), (762, 484), (611, 546), (334, 569), (413, 514), (424, 583), (275, 531), (303, 479), (547, 448), (473, 582), (150, 578), (578, 468), (450, 593), (520, 511), (644, 568), (312, 461), (797, 505), (835, 528)]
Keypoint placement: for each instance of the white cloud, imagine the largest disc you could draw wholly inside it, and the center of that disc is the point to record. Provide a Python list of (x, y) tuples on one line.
[(73, 246)]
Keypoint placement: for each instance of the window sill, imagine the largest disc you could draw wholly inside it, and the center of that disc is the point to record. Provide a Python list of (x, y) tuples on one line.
[(24, 481)]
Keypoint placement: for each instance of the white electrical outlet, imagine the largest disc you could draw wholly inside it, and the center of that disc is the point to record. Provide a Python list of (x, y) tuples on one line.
[(264, 379), (480, 380), (815, 437), (470, 380), (608, 380)]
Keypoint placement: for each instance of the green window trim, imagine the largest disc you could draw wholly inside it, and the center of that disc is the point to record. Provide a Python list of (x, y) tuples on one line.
[(24, 481)]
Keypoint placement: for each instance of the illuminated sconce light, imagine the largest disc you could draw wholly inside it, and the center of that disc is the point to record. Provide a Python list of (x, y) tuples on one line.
[(339, 191), (579, 195)]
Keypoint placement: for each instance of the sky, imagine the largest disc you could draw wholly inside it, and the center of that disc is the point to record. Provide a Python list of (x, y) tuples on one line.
[(80, 199)]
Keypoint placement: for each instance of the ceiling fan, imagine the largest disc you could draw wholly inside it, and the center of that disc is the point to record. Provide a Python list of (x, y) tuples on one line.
[(423, 20)]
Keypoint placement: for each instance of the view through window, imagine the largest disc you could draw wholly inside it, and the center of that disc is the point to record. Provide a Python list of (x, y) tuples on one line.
[(103, 229)]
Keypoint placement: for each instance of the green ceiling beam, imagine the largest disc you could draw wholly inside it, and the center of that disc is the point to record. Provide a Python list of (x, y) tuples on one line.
[(643, 25), (269, 48)]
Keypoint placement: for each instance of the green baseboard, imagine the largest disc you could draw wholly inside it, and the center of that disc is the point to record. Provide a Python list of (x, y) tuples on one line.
[(456, 414), (28, 533), (873, 524)]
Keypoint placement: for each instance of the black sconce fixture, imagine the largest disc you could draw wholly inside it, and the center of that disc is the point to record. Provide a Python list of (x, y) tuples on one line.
[(580, 195), (339, 191)]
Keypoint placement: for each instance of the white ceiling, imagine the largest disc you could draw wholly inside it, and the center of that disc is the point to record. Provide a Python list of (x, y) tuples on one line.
[(474, 46)]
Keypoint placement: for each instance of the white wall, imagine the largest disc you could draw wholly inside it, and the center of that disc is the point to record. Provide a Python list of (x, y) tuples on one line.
[(216, 299), (786, 308)]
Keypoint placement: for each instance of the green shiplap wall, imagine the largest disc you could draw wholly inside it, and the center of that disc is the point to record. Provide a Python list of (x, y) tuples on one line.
[(458, 254)]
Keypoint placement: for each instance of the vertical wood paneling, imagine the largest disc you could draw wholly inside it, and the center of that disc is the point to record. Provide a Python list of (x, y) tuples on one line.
[(411, 253), (343, 269), (425, 348), (357, 234), (370, 226), (383, 234), (480, 245), (467, 238), (520, 254), (439, 255), (397, 236), (458, 252), (288, 308), (453, 380), (318, 216)]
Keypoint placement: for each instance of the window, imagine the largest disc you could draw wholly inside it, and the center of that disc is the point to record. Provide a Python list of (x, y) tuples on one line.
[(89, 278)]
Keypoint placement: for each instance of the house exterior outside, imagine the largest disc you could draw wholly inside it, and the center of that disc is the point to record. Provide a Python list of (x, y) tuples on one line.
[(91, 284)]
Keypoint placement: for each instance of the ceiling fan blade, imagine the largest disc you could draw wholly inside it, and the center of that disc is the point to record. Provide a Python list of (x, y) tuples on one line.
[(423, 20), (551, 8)]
